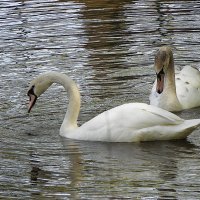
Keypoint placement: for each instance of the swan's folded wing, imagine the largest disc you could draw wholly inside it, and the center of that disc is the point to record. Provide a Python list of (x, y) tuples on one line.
[(164, 115), (188, 87), (134, 116), (122, 123), (189, 76)]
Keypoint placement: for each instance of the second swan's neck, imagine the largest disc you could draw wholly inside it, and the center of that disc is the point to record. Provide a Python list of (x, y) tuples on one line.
[(170, 87), (170, 76), (73, 109)]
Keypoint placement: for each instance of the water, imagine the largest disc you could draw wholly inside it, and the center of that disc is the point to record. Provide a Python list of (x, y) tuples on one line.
[(107, 47)]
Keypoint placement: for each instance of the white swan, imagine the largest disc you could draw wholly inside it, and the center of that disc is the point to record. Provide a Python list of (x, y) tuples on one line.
[(174, 90), (132, 122)]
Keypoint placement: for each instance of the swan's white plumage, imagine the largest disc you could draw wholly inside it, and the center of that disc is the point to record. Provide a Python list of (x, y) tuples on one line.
[(132, 122), (188, 87), (185, 94)]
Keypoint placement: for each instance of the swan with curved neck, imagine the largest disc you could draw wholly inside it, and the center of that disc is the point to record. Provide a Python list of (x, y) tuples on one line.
[(174, 90), (131, 122)]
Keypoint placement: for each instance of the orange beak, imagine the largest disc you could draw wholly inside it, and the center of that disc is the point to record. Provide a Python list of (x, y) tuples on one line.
[(32, 101), (160, 82)]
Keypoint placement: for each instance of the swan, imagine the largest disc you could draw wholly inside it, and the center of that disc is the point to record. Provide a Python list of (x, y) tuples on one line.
[(131, 122), (174, 90)]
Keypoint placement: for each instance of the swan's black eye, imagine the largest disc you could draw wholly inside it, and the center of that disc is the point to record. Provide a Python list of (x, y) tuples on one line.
[(31, 91)]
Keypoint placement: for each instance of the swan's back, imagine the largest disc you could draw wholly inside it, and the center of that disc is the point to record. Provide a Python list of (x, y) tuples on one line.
[(188, 87)]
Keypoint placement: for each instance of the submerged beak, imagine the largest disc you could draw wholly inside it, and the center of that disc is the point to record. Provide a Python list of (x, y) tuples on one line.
[(160, 82)]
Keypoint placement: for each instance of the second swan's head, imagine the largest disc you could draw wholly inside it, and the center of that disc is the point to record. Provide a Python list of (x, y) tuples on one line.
[(38, 86), (163, 58)]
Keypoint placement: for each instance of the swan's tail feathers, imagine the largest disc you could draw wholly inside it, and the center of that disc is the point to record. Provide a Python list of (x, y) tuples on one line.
[(192, 123), (188, 126), (180, 131)]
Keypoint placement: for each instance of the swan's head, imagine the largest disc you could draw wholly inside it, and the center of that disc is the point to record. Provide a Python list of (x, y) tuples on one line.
[(37, 86), (162, 63)]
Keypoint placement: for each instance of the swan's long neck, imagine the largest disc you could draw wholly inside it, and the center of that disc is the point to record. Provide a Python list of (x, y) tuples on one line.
[(170, 86), (73, 109), (170, 76)]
